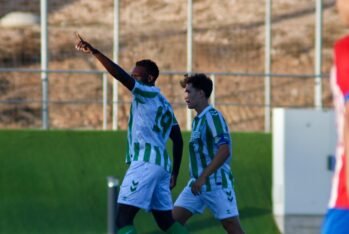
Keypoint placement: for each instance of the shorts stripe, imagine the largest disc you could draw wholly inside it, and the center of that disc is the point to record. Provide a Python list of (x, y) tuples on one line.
[(158, 156), (147, 152)]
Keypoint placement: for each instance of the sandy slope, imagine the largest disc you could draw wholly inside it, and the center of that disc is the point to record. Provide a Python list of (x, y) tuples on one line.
[(228, 36)]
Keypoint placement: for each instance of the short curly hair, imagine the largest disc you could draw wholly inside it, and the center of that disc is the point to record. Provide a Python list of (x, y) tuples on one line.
[(198, 81), (150, 66)]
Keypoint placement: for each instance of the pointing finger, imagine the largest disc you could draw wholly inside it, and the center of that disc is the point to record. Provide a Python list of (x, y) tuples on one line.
[(77, 35)]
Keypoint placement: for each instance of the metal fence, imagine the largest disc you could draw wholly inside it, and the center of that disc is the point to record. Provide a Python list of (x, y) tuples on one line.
[(84, 99), (268, 58)]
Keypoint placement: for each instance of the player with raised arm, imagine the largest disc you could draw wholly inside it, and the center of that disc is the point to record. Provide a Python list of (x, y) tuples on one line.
[(210, 149), (148, 180), (337, 217)]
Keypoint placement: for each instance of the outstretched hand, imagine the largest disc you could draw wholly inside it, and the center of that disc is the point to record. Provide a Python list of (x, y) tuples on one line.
[(83, 46)]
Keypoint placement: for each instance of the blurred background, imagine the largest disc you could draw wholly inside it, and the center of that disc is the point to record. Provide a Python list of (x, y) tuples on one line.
[(255, 65)]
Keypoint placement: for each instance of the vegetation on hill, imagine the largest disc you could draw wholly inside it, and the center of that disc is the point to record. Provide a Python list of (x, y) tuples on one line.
[(228, 37)]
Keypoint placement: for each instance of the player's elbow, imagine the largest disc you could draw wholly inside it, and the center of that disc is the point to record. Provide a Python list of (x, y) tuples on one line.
[(176, 136), (225, 150)]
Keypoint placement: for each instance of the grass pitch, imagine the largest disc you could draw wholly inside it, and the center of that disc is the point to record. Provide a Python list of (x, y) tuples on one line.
[(55, 182)]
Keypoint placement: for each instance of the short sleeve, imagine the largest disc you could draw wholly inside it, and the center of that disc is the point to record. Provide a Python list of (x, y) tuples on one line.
[(218, 128)]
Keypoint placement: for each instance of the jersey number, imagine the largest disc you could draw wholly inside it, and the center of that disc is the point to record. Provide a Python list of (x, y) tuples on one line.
[(162, 121)]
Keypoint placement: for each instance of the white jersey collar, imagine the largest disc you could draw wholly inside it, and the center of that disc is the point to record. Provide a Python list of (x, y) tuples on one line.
[(204, 111)]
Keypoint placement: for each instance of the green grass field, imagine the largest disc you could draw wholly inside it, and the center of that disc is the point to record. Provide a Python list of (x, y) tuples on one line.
[(54, 182)]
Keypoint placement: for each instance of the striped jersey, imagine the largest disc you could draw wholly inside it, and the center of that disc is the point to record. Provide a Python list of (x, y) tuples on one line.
[(209, 131), (339, 81), (150, 122)]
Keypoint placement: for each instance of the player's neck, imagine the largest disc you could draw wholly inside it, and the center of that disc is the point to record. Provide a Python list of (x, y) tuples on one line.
[(201, 106)]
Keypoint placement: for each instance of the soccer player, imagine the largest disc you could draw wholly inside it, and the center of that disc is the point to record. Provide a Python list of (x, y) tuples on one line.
[(211, 179), (148, 180), (337, 217)]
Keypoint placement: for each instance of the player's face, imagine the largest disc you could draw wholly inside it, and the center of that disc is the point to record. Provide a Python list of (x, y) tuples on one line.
[(140, 74), (343, 10), (192, 97)]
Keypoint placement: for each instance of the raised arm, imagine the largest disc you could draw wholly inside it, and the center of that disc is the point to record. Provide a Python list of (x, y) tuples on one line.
[(115, 70), (177, 151)]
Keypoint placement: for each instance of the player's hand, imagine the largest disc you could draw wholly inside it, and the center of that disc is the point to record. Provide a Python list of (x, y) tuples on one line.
[(83, 46), (173, 181), (196, 186)]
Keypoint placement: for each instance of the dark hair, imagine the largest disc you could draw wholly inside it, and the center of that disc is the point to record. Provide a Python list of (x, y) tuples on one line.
[(150, 66), (198, 81)]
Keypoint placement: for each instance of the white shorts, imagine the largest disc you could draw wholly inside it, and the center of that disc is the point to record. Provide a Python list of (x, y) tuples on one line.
[(146, 186), (221, 202)]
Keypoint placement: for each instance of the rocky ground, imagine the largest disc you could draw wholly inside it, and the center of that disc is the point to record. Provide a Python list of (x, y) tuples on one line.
[(228, 37)]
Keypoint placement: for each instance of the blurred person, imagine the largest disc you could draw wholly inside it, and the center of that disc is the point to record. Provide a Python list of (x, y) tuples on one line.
[(148, 180), (337, 217), (210, 148)]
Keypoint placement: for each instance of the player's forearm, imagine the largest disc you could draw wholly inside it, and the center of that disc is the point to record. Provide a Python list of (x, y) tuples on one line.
[(217, 162), (177, 148), (177, 158), (115, 70)]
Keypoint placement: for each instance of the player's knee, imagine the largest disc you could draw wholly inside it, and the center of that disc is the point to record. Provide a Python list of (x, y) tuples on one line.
[(232, 226), (165, 224), (125, 215), (163, 219), (123, 221)]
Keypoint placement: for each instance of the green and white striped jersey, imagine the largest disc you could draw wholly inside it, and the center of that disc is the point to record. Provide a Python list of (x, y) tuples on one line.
[(149, 126), (209, 131)]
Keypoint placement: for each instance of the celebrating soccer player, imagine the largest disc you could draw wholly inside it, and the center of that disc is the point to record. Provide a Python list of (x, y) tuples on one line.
[(211, 182), (148, 180)]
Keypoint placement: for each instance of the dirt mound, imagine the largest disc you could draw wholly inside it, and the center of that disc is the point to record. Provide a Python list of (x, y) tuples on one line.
[(228, 37)]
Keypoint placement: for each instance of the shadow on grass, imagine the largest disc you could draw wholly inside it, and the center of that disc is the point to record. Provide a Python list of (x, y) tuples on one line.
[(248, 212), (195, 225), (209, 222)]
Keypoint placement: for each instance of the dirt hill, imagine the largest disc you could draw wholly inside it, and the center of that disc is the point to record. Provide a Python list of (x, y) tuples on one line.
[(228, 37)]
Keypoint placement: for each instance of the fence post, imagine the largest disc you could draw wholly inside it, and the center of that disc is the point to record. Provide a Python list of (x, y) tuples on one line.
[(189, 51), (105, 101), (318, 55), (267, 83), (44, 63), (213, 94), (116, 60), (113, 189)]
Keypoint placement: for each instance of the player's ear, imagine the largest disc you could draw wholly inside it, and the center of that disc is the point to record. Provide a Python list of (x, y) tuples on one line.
[(151, 79), (202, 93)]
